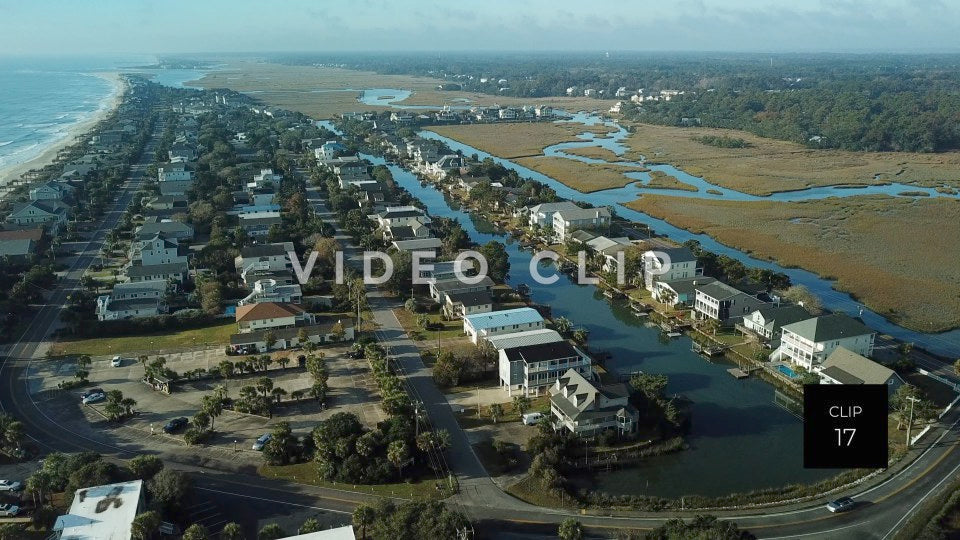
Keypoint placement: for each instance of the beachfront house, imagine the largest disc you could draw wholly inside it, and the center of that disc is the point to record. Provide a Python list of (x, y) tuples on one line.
[(51, 214), (808, 343), (51, 191), (531, 369), (566, 222), (495, 323), (844, 366), (585, 409), (668, 264), (724, 303)]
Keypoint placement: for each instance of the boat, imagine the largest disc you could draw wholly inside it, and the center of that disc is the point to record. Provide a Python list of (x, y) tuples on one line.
[(523, 289), (674, 334)]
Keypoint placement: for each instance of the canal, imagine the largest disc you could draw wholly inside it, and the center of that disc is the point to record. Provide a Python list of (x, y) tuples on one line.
[(740, 439)]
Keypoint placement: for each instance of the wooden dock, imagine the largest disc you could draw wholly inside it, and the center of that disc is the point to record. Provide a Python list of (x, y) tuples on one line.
[(738, 373)]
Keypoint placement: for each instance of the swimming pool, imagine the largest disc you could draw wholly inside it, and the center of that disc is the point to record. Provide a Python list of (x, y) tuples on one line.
[(788, 372)]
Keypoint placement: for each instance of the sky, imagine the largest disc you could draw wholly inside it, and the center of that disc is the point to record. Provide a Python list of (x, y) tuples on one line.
[(61, 27)]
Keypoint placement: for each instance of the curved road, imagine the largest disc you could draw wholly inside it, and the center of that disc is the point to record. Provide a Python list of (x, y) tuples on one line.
[(880, 511)]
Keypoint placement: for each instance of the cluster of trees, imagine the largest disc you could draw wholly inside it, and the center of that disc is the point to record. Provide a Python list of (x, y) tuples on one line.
[(411, 520), (118, 407), (345, 451), (655, 408), (12, 434), (393, 393), (451, 369), (732, 271)]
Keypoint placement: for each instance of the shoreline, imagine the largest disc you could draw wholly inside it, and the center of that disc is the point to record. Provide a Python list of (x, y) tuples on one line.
[(13, 172)]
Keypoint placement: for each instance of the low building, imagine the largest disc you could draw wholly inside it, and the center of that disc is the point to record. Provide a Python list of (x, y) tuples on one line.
[(271, 315), (584, 409), (460, 304), (181, 232), (337, 533), (174, 178), (808, 343), (102, 512), (322, 329), (259, 223), (176, 271), (425, 245), (767, 321), (531, 369), (844, 366), (495, 323), (721, 302)]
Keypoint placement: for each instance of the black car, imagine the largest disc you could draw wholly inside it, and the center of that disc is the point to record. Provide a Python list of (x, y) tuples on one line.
[(175, 425)]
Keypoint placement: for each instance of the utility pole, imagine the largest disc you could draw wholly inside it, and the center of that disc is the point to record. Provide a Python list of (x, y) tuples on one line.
[(910, 423)]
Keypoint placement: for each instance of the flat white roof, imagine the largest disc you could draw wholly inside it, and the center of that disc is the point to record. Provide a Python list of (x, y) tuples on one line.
[(340, 533), (101, 512), (522, 339)]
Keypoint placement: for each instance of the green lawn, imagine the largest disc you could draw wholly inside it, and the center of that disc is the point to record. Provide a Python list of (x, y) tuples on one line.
[(218, 334), (306, 473), (531, 491), (468, 418), (451, 329)]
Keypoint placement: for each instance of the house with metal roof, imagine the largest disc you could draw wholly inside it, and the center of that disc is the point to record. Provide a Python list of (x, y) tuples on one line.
[(521, 339), (583, 408), (484, 325), (808, 343), (844, 366), (531, 369)]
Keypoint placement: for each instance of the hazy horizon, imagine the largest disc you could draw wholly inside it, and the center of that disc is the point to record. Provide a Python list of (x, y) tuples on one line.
[(222, 27)]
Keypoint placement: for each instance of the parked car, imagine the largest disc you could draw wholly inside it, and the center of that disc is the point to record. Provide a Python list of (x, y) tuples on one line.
[(532, 419), (94, 397), (9, 510), (356, 353), (90, 392), (175, 425), (116, 362), (10, 485), (841, 505), (262, 441)]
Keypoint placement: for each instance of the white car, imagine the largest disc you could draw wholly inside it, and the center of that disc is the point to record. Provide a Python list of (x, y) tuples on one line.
[(9, 485), (532, 419), (94, 398), (116, 361), (9, 510), (262, 441)]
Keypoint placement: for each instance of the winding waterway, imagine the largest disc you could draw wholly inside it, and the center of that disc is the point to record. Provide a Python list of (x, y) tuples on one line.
[(740, 440)]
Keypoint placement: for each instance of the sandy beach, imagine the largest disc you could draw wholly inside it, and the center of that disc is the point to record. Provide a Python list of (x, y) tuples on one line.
[(14, 171)]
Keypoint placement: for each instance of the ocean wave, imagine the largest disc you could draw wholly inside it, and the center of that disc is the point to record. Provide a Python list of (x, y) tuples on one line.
[(4, 143)]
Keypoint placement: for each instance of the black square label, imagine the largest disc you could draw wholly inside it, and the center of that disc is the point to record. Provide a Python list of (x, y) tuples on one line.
[(845, 426)]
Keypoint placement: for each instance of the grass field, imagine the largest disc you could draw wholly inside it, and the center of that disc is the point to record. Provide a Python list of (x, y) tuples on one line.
[(307, 89), (515, 140), (896, 255), (769, 166), (218, 334), (583, 177), (662, 180), (306, 473)]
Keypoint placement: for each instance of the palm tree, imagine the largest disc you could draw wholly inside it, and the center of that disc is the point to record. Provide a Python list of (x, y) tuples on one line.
[(496, 412), (363, 517), (563, 325), (283, 361), (265, 385), (232, 531), (278, 393), (521, 404), (397, 453), (144, 525), (128, 404), (297, 395)]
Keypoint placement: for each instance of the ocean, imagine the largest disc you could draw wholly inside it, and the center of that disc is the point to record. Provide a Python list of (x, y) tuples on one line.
[(41, 98)]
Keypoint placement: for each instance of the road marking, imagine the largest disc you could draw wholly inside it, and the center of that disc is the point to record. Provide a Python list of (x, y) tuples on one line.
[(816, 533), (919, 502)]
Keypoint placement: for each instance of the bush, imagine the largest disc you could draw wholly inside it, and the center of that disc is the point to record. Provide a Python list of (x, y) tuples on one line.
[(195, 436)]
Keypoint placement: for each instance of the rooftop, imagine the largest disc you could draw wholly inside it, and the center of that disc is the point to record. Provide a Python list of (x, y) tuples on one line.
[(828, 327), (484, 321), (529, 337), (101, 512), (849, 367), (542, 351)]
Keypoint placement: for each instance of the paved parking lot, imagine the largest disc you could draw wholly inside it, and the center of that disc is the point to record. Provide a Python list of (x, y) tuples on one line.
[(352, 389)]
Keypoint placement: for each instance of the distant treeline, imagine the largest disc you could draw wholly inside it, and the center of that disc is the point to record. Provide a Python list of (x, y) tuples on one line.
[(853, 102)]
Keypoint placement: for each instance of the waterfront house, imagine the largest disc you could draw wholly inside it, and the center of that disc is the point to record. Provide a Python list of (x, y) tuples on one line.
[(133, 300), (51, 191), (844, 366), (767, 321), (584, 409), (680, 292), (328, 151), (520, 339), (440, 287), (610, 249), (724, 303), (52, 214), (567, 221), (460, 304), (267, 315), (541, 215), (427, 246), (483, 325), (668, 264), (402, 216), (808, 343), (534, 368)]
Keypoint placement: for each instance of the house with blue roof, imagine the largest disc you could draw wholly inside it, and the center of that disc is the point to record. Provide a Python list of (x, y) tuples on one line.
[(496, 323)]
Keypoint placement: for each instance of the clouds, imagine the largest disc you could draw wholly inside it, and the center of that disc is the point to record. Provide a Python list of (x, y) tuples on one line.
[(124, 26)]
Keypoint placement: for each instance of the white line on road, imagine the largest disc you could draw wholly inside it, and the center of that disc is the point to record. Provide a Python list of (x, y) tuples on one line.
[(264, 499)]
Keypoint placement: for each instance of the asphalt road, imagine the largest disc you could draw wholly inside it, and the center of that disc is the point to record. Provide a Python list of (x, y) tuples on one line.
[(880, 509)]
